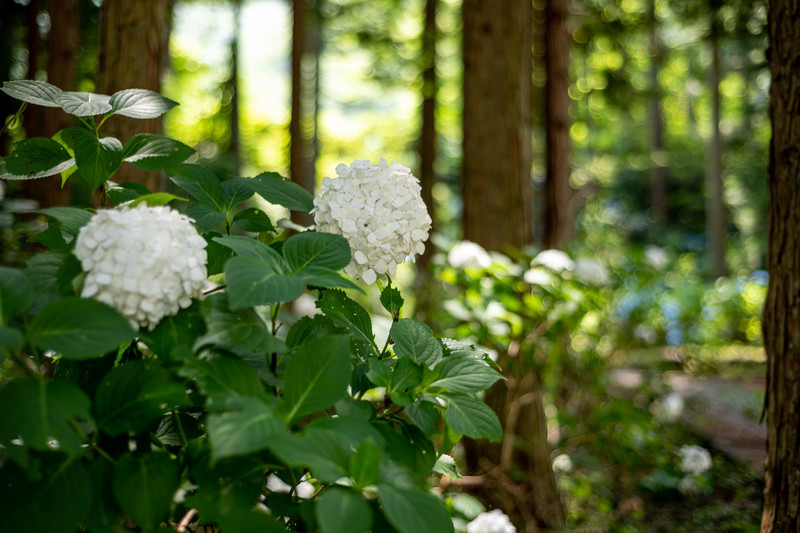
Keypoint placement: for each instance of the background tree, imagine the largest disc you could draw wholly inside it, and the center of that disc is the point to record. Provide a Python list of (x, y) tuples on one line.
[(496, 191), (133, 40), (558, 193), (781, 320)]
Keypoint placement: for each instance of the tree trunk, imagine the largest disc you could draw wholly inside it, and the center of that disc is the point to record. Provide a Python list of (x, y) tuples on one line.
[(658, 168), (558, 193), (497, 190), (715, 206), (133, 46), (781, 318), (234, 148), (302, 130), (427, 135), (496, 178)]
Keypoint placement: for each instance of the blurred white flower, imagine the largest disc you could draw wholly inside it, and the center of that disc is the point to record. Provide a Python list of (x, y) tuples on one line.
[(656, 257), (671, 407), (379, 210), (688, 485), (468, 254), (555, 260), (592, 271), (145, 262), (694, 459), (562, 463), (537, 276), (494, 521), (2, 189), (304, 489)]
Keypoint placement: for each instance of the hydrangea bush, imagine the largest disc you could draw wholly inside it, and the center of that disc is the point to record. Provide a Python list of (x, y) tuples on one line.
[(151, 381)]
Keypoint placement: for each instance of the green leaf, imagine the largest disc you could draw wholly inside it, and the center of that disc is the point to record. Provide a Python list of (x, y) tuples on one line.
[(33, 92), (424, 415), (52, 238), (253, 219), (175, 331), (341, 511), (204, 217), (78, 328), (144, 486), (469, 416), (316, 376), (405, 378), (134, 394), (224, 374), (347, 314), (9, 337), (71, 218), (392, 301), (464, 374), (200, 182), (218, 255), (325, 277), (379, 374), (446, 465), (140, 103), (253, 248), (42, 269), (312, 249), (414, 511), (276, 189), (235, 191), (245, 430), (232, 329), (39, 412), (123, 192), (83, 104), (310, 328), (16, 294), (97, 159), (319, 450), (365, 464), (254, 281), (155, 152), (156, 198), (415, 340), (38, 157)]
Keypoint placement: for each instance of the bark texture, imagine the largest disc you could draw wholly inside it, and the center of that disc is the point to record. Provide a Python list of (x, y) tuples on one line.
[(782, 307), (133, 46), (558, 193), (496, 177), (715, 205), (497, 191), (658, 168), (427, 134)]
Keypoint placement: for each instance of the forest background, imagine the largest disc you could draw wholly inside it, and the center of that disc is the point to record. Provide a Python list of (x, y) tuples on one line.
[(659, 129)]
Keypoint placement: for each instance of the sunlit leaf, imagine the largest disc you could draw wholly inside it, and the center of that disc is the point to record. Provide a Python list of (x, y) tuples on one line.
[(83, 104), (155, 152), (140, 103), (33, 92), (38, 157), (276, 189)]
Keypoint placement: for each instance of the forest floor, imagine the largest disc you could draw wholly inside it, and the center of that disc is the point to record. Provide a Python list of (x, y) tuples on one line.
[(722, 407)]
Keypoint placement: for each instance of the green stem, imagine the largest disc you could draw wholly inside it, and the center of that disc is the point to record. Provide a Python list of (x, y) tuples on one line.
[(101, 452)]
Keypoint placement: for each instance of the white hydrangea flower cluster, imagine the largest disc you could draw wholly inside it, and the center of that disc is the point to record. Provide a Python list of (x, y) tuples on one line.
[(468, 254), (555, 260), (304, 489), (592, 271), (494, 521), (145, 262), (379, 210), (694, 459)]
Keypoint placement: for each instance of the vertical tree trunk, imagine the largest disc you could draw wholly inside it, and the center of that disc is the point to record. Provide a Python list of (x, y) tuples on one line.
[(496, 178), (658, 169), (715, 207), (781, 317), (234, 148), (427, 136), (301, 128), (497, 190), (63, 49), (133, 45), (558, 194)]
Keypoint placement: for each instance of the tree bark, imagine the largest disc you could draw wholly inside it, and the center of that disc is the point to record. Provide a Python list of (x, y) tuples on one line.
[(497, 191), (496, 175), (302, 127), (715, 205), (427, 135), (133, 46), (781, 317), (558, 193)]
